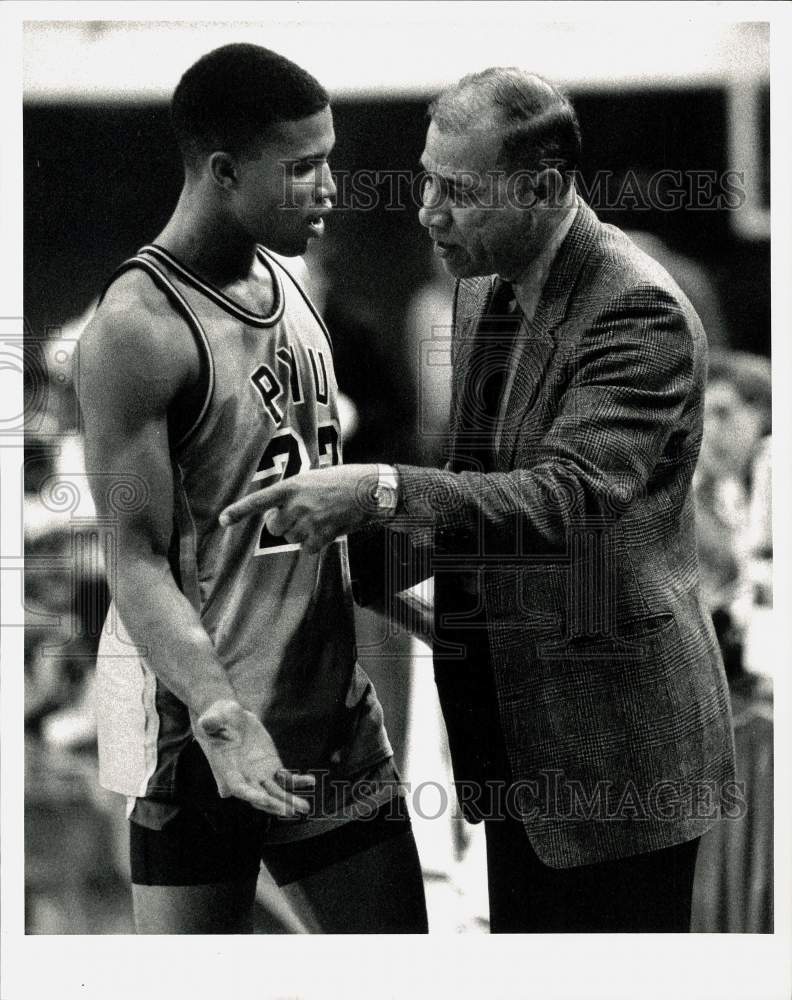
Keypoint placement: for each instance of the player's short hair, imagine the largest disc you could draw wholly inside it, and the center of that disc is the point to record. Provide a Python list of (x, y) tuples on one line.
[(232, 95), (540, 126)]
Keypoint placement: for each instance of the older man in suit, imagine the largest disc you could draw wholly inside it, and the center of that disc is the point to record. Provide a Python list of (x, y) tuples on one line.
[(578, 671)]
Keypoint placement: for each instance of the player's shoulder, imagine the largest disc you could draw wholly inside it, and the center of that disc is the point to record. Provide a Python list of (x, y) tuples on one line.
[(133, 302), (136, 321), (135, 332)]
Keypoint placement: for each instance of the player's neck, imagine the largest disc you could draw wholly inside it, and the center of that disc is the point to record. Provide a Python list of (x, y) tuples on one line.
[(202, 238)]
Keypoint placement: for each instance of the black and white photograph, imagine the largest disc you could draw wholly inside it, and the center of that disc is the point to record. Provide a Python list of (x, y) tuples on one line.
[(394, 440)]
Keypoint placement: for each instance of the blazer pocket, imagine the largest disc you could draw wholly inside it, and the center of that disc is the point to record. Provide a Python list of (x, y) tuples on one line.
[(631, 639), (651, 627)]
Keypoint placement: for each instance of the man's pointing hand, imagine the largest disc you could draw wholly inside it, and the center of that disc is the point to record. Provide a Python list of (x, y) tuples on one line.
[(313, 508)]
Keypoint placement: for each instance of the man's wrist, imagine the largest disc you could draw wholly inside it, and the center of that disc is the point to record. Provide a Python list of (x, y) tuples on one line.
[(386, 492)]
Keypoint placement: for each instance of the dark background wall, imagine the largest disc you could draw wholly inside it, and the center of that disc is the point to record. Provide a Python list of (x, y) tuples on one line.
[(100, 180)]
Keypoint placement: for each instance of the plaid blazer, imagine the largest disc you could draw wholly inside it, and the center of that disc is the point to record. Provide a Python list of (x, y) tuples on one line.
[(611, 695)]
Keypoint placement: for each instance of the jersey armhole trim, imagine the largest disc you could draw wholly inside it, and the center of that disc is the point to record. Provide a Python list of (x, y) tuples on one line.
[(182, 307)]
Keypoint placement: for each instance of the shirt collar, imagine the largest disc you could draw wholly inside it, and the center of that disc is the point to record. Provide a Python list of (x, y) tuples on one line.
[(529, 290)]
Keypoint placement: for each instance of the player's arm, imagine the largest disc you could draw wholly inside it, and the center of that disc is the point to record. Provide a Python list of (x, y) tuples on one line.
[(130, 371)]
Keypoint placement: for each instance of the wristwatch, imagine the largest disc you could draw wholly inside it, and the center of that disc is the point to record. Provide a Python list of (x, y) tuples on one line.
[(386, 492)]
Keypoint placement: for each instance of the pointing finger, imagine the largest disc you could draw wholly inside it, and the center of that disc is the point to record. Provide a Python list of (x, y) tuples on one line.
[(272, 496)]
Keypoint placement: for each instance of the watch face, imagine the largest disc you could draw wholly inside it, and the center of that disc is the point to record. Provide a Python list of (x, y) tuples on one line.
[(385, 496)]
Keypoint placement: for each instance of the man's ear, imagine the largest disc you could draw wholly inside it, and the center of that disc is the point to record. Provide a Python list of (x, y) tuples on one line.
[(549, 186), (223, 169)]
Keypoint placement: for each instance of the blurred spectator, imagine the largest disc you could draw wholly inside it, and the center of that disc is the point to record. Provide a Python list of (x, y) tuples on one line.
[(731, 488), (734, 874), (696, 281), (428, 338)]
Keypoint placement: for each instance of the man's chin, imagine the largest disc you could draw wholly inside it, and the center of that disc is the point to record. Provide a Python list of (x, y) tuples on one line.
[(460, 268)]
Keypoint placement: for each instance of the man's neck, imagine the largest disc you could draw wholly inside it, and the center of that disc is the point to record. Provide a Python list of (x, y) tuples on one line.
[(528, 288), (203, 238)]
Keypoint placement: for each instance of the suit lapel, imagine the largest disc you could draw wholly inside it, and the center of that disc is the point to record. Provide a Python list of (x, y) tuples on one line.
[(533, 354), (565, 269), (537, 345), (473, 299)]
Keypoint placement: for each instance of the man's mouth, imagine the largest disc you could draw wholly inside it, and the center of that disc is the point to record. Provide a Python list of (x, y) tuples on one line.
[(443, 249)]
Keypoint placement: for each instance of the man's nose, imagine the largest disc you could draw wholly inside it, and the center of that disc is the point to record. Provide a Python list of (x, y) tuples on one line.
[(432, 216)]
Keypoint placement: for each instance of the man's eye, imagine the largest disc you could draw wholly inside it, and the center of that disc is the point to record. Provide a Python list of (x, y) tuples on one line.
[(461, 197)]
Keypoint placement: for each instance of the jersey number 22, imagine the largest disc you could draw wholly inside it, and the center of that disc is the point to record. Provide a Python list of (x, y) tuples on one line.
[(285, 456)]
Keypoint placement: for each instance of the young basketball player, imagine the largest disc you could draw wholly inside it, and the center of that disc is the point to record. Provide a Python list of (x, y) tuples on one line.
[(231, 709)]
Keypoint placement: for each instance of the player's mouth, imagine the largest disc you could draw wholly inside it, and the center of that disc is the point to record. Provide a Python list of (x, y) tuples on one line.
[(315, 221), (316, 224)]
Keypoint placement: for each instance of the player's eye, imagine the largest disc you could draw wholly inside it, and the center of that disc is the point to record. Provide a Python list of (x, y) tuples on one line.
[(303, 168)]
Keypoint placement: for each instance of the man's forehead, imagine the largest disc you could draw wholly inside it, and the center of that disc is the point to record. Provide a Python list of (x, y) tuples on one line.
[(458, 154)]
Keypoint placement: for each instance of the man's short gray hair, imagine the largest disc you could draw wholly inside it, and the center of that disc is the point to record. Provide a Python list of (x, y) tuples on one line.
[(540, 127)]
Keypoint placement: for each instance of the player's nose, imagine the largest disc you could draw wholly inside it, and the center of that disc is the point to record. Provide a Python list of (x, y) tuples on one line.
[(327, 187)]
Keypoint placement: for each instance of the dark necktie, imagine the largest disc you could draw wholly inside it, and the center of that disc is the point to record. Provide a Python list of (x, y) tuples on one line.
[(489, 364)]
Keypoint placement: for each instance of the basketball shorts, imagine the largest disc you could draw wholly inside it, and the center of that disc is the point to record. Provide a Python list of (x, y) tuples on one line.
[(225, 840)]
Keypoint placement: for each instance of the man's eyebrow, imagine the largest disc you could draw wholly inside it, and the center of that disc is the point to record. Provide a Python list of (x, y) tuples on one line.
[(466, 180)]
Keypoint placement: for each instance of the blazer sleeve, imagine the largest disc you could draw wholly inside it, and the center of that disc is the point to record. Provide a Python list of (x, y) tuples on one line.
[(624, 394)]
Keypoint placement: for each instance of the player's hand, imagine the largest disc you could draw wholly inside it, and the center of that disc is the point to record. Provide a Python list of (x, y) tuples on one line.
[(245, 763), (312, 508)]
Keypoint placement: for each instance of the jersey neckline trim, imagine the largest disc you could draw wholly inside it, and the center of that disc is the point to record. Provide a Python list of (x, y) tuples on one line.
[(274, 262), (220, 298)]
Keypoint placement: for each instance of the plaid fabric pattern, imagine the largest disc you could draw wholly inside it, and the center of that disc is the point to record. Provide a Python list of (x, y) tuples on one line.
[(610, 687)]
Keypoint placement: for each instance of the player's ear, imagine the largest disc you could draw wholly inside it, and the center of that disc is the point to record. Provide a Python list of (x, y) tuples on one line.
[(223, 169)]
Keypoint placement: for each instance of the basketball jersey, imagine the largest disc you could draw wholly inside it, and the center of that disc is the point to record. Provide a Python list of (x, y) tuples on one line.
[(280, 619)]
